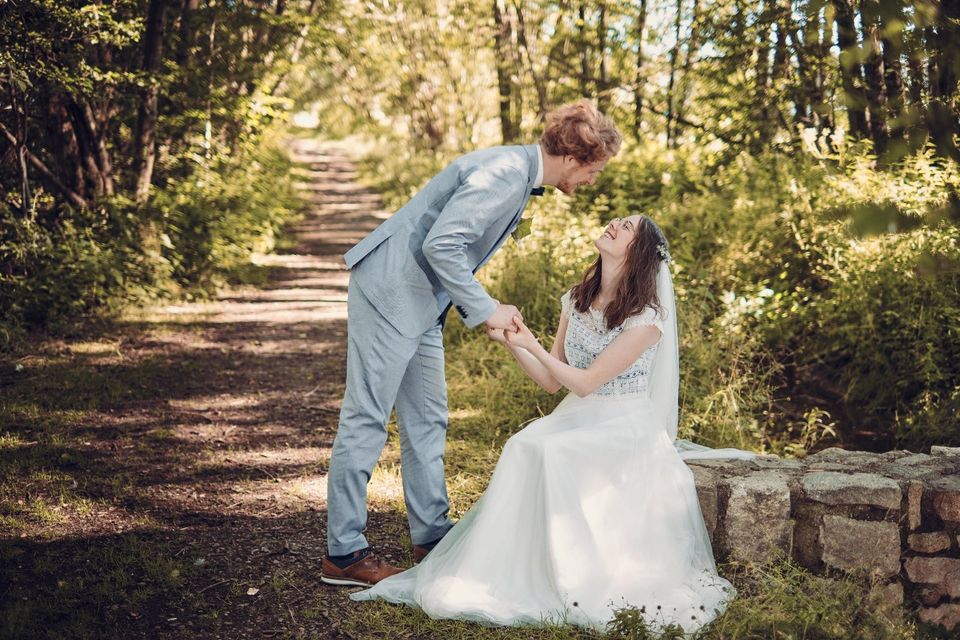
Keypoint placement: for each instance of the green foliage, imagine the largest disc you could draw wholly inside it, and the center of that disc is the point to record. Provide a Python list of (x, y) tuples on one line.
[(214, 220), (397, 172), (818, 297), (85, 262), (883, 335), (784, 600), (149, 164), (195, 231), (631, 624)]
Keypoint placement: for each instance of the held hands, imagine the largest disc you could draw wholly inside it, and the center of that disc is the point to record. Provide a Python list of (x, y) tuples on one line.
[(520, 335), (497, 335), (502, 318), (506, 327)]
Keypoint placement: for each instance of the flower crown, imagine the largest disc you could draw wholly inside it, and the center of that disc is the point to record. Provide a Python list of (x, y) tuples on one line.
[(664, 253)]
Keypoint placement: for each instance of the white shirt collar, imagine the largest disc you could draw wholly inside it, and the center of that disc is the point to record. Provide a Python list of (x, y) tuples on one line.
[(538, 182)]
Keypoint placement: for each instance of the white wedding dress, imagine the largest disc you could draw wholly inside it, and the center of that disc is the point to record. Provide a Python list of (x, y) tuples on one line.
[(590, 509)]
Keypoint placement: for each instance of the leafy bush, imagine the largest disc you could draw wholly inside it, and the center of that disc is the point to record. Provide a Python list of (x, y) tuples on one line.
[(59, 271), (216, 218), (52, 273)]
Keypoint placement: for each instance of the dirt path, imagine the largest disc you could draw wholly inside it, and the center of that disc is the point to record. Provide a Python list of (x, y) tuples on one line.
[(157, 475)]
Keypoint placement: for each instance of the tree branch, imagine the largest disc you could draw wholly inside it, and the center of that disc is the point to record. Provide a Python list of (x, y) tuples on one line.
[(38, 164), (563, 66)]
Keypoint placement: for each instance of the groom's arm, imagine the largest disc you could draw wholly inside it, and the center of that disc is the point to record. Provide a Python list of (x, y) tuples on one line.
[(485, 200)]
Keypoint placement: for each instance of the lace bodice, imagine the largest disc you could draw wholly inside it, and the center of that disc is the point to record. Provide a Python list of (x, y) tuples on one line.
[(587, 335)]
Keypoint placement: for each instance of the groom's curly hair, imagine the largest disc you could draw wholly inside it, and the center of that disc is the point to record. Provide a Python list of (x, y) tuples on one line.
[(638, 284), (578, 129)]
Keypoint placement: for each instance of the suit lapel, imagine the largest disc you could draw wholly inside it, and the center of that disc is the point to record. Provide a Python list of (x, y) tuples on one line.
[(531, 150)]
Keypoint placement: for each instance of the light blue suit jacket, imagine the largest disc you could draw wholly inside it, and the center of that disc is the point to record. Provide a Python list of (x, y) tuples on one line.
[(423, 258)]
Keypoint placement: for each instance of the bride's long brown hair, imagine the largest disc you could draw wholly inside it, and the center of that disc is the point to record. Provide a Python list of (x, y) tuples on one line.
[(638, 282)]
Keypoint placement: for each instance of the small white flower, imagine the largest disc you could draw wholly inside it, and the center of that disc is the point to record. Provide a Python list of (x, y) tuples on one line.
[(664, 253), (18, 368)]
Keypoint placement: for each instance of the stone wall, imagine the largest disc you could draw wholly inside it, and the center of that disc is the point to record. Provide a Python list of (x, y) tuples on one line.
[(893, 517)]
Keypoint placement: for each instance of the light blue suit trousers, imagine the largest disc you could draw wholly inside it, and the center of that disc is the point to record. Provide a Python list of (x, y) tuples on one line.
[(405, 275)]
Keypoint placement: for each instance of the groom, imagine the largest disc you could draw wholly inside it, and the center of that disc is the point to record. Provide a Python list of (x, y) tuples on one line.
[(405, 275)]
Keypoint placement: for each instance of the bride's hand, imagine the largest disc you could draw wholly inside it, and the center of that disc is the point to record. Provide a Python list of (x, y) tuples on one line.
[(497, 335), (521, 337)]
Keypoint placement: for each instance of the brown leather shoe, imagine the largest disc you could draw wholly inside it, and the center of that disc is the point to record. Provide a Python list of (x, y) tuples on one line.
[(419, 553), (362, 573)]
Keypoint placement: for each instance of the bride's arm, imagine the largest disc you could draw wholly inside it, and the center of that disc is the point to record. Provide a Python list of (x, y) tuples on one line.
[(530, 364), (612, 361)]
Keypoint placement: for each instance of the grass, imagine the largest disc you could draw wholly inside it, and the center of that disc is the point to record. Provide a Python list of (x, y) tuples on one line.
[(85, 590)]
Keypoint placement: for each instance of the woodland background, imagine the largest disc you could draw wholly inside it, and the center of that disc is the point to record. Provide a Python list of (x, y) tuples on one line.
[(801, 156)]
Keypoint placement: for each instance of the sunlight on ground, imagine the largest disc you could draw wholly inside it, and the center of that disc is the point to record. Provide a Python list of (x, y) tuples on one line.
[(270, 457), (111, 348), (180, 339), (386, 487), (258, 312), (312, 490), (218, 401), (461, 414), (295, 261)]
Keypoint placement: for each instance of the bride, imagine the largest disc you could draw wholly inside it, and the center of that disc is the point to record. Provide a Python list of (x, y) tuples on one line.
[(591, 508)]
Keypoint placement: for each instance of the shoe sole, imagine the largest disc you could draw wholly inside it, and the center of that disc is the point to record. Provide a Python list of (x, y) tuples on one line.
[(344, 582)]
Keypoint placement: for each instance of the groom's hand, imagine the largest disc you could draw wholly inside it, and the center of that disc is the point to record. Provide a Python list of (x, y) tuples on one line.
[(503, 316)]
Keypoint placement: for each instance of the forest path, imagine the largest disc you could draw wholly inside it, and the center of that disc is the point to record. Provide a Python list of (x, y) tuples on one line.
[(160, 472)]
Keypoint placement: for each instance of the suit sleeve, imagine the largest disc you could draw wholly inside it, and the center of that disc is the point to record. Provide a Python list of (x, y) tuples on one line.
[(485, 200)]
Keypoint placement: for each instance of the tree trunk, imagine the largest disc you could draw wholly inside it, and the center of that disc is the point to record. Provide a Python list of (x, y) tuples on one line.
[(781, 50), (763, 50), (851, 78), (584, 53), (916, 54), (72, 196), (800, 89), (873, 74), (538, 82), (763, 44), (828, 115), (93, 153), (691, 49), (915, 111), (501, 38), (812, 88), (674, 56), (146, 133), (639, 80), (19, 109), (185, 42), (603, 90), (942, 118), (64, 146), (281, 83), (892, 44)]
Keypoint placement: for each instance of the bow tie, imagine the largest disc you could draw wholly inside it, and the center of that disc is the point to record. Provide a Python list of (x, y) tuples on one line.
[(537, 191)]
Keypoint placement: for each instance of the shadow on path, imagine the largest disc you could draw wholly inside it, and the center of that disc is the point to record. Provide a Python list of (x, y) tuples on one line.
[(154, 475)]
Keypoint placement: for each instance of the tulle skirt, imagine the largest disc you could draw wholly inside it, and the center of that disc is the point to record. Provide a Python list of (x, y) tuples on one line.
[(589, 510)]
